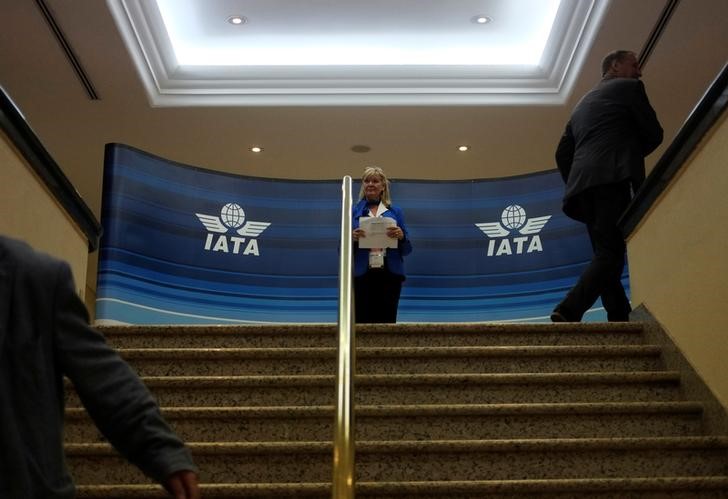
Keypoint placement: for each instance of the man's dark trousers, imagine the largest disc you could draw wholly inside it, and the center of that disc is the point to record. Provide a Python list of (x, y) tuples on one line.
[(601, 207)]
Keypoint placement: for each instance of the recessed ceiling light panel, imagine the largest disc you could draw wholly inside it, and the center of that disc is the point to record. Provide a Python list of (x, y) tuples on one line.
[(358, 53), (347, 34)]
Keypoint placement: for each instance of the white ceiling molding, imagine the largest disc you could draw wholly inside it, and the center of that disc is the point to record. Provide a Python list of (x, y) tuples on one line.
[(170, 84)]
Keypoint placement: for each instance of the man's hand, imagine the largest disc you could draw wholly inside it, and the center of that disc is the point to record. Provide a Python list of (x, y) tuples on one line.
[(183, 485)]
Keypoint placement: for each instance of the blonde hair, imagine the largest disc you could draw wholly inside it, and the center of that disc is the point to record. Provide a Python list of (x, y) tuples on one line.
[(375, 171)]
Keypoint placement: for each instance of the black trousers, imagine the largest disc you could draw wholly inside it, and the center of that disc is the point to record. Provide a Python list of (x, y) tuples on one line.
[(376, 296), (601, 207)]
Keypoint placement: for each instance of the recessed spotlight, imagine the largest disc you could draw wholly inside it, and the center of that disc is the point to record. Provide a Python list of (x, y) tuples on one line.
[(256, 149), (237, 20), (361, 148), (480, 19), (463, 148)]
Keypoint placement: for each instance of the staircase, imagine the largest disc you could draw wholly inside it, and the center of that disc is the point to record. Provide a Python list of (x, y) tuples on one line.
[(443, 411)]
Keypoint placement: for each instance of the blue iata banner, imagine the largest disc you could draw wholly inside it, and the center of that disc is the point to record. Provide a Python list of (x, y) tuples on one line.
[(188, 245)]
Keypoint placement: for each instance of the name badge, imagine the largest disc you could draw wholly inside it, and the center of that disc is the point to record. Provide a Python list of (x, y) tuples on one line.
[(376, 259)]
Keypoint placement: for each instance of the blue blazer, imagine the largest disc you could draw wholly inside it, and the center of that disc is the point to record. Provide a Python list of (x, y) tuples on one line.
[(394, 260)]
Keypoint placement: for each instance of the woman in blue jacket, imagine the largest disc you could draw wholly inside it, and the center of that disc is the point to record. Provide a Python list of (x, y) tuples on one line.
[(378, 272)]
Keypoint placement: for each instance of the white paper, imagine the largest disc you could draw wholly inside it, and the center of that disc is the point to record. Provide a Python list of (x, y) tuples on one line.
[(376, 232)]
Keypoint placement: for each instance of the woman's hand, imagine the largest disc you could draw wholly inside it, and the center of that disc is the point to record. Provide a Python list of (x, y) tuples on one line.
[(395, 232), (358, 233)]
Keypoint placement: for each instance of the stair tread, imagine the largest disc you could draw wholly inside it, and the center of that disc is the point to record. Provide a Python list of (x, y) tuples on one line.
[(365, 352), (429, 409), (492, 445), (400, 328), (530, 485), (414, 379)]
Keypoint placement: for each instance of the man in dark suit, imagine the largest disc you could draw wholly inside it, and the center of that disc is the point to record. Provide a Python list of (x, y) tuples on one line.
[(601, 159), (44, 335)]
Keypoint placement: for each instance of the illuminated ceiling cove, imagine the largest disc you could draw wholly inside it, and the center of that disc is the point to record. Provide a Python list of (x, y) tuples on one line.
[(374, 52)]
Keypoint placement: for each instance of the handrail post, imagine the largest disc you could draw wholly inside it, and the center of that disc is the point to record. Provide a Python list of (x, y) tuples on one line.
[(343, 478)]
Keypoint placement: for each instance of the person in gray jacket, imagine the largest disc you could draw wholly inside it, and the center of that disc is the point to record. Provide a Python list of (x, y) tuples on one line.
[(601, 158), (44, 336)]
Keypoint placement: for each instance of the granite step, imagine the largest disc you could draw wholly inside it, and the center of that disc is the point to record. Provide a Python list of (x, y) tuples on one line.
[(399, 335), (421, 422), (678, 487), (443, 411), (226, 391), (384, 461), (391, 360), (708, 487)]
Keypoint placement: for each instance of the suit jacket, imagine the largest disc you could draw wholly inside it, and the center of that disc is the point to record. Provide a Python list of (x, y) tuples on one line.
[(611, 130), (395, 256), (44, 335)]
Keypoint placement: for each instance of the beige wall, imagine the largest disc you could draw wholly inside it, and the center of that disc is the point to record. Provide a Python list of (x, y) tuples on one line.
[(678, 261), (30, 213)]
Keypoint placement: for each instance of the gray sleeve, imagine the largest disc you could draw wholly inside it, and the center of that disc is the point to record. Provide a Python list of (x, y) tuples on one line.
[(565, 152), (117, 400), (648, 126)]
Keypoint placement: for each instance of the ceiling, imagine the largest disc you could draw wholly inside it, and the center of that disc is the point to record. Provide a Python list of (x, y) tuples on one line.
[(414, 137), (379, 52)]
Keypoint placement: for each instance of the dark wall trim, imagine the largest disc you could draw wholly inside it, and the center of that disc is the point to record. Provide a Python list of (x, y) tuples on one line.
[(68, 50), (701, 119), (657, 31), (19, 132)]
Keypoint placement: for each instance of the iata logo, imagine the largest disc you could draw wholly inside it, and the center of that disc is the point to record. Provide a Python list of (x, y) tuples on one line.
[(232, 217), (513, 219)]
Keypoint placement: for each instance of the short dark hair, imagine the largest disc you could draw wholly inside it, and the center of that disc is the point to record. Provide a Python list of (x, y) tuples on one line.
[(617, 55)]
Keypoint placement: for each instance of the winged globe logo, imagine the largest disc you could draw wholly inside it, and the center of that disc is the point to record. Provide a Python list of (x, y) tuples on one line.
[(524, 232), (232, 219)]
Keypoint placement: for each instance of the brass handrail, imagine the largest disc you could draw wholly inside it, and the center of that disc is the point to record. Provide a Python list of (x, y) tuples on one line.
[(343, 479)]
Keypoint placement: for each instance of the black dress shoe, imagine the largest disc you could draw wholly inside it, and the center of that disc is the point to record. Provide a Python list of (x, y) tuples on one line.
[(557, 316)]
